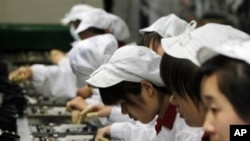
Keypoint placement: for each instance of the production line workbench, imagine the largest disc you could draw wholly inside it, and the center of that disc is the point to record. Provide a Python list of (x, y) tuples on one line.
[(25, 117)]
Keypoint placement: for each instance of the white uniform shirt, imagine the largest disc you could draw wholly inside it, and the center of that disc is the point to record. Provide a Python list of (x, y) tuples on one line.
[(133, 131), (55, 80)]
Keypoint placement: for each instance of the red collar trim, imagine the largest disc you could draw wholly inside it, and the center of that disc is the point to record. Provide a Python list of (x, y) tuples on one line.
[(168, 119), (205, 137)]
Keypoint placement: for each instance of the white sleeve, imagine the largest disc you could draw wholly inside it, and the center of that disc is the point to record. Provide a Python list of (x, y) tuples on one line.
[(182, 132), (117, 116), (55, 80), (64, 62), (128, 131)]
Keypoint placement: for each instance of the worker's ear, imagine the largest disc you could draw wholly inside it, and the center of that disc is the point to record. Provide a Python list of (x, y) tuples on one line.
[(147, 87)]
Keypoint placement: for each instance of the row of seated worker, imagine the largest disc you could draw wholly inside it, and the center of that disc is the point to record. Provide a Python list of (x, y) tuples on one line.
[(180, 82)]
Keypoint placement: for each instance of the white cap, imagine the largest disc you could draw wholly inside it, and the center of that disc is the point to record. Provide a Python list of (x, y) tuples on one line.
[(233, 49), (87, 55), (168, 26), (106, 21), (93, 18), (74, 12), (129, 63), (187, 45)]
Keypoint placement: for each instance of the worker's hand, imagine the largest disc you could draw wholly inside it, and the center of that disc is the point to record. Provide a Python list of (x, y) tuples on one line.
[(75, 117), (103, 134), (78, 103), (56, 55), (98, 110), (85, 91), (21, 74)]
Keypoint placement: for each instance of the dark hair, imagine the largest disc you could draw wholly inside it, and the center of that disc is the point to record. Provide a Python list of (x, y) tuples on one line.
[(75, 23), (92, 31), (233, 81), (121, 91), (147, 37), (179, 75)]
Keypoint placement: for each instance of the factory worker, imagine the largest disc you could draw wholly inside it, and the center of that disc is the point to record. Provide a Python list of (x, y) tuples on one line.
[(93, 21), (99, 22), (165, 27), (85, 57), (168, 26), (224, 87), (179, 67), (131, 78)]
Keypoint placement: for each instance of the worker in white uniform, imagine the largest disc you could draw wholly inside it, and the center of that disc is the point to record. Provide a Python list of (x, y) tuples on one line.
[(85, 57), (179, 67), (132, 78), (94, 21)]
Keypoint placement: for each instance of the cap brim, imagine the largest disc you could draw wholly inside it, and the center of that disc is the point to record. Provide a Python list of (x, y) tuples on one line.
[(65, 21), (147, 29), (103, 79)]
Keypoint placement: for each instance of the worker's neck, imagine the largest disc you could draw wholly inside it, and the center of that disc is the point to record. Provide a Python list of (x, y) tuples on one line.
[(164, 103)]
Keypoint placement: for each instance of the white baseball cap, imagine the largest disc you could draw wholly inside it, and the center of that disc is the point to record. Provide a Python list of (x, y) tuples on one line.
[(187, 44), (87, 55), (106, 21), (233, 49), (168, 26), (74, 13), (129, 63), (93, 18)]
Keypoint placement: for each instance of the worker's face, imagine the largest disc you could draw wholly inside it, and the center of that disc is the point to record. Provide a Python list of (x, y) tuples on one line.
[(220, 114), (193, 115), (141, 107)]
